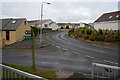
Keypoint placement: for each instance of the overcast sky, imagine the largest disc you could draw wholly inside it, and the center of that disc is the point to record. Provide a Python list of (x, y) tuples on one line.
[(58, 11)]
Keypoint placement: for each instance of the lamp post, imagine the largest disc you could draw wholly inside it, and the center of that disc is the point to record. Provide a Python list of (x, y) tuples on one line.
[(41, 20)]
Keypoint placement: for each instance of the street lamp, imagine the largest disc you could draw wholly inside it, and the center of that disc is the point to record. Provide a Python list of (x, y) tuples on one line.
[(41, 20)]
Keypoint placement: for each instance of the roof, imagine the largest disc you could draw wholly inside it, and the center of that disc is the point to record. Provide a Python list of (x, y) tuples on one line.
[(33, 22), (11, 24), (68, 24), (112, 16)]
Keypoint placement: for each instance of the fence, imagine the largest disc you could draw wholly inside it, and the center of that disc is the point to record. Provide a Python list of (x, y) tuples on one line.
[(104, 71), (11, 73)]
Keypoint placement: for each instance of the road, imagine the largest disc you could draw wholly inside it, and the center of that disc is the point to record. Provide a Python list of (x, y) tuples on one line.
[(80, 47), (64, 53)]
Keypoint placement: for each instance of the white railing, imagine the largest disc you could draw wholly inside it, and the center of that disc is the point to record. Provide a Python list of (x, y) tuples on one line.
[(104, 71), (11, 73)]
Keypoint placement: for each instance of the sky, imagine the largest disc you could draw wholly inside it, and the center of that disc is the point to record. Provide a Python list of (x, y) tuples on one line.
[(60, 11)]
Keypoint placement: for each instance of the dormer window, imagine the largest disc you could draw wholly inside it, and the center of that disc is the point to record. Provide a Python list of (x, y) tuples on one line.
[(110, 17), (13, 22), (117, 16)]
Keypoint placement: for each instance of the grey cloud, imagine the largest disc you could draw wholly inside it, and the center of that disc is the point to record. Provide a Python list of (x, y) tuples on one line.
[(59, 11)]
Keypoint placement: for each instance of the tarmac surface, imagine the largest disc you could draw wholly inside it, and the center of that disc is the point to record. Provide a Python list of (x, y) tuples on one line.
[(64, 53)]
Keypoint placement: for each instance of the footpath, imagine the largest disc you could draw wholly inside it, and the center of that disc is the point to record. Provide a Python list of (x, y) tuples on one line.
[(28, 43)]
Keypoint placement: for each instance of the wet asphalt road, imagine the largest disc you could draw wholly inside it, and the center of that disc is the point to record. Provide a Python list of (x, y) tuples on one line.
[(64, 53)]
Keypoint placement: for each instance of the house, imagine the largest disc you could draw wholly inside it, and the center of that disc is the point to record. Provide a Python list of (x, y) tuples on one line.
[(108, 21), (85, 25), (48, 23), (14, 29), (71, 25)]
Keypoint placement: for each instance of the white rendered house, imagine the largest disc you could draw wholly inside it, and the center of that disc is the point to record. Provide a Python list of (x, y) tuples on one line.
[(108, 21)]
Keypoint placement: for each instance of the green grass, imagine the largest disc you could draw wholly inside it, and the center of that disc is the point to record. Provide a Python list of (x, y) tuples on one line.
[(23, 68), (46, 74)]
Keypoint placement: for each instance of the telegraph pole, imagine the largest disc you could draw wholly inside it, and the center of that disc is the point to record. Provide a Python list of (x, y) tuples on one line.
[(33, 49)]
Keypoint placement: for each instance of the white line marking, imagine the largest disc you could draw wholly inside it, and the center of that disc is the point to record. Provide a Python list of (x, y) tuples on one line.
[(65, 49), (89, 56), (110, 62), (76, 52), (92, 57), (116, 63), (58, 46)]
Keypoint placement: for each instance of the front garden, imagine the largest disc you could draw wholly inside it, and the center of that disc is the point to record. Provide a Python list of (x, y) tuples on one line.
[(95, 35)]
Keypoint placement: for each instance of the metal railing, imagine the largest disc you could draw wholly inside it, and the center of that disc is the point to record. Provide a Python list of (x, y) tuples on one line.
[(105, 71), (11, 73)]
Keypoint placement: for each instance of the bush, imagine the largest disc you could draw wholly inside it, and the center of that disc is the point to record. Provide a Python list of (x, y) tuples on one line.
[(71, 31), (62, 27), (109, 39), (100, 38), (45, 30), (93, 36), (88, 31), (36, 30), (86, 36), (100, 31), (67, 27), (82, 30), (81, 35), (117, 38)]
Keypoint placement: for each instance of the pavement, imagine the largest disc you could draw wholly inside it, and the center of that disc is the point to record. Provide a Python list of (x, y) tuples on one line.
[(28, 43)]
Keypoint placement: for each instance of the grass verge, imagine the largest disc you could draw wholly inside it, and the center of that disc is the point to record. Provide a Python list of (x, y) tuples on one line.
[(42, 72)]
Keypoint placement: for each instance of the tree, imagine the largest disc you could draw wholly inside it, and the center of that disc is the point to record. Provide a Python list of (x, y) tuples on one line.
[(62, 27), (67, 27), (35, 29)]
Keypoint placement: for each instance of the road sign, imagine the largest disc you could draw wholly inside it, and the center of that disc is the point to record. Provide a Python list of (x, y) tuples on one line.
[(28, 32), (27, 37)]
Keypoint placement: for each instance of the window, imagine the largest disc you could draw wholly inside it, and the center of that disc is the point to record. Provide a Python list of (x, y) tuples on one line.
[(7, 35), (13, 22), (117, 16), (110, 16)]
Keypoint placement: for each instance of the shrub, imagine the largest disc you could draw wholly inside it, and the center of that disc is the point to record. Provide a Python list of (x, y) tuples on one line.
[(62, 27), (86, 36), (117, 38), (100, 38), (71, 31), (67, 27), (109, 39), (82, 30), (36, 30), (100, 31), (93, 36), (88, 31), (47, 30), (81, 35)]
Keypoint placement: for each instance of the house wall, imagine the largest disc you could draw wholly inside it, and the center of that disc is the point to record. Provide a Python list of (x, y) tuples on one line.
[(12, 37), (17, 35), (47, 22), (82, 25), (20, 32), (107, 25), (54, 26)]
